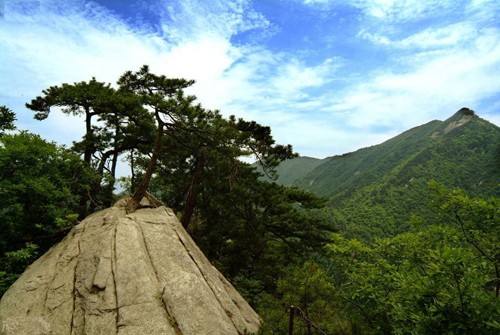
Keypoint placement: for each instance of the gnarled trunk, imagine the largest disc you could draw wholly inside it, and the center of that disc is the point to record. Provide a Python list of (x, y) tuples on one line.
[(192, 192), (142, 188)]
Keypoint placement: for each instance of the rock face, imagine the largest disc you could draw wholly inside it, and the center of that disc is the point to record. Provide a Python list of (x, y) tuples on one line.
[(118, 273)]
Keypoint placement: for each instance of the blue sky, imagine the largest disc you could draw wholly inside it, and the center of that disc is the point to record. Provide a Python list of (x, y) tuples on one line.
[(329, 76)]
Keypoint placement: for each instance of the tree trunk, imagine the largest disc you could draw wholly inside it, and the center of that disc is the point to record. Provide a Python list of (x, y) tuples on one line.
[(114, 162), (110, 187), (102, 163), (132, 171), (82, 206), (87, 158), (97, 188), (87, 154), (308, 324), (290, 320), (192, 192), (497, 281), (142, 188), (107, 190)]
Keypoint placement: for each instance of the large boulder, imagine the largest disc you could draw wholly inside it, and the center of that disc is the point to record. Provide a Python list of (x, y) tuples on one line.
[(119, 273)]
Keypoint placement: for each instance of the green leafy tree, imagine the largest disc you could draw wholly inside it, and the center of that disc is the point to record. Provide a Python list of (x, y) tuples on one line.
[(307, 289), (248, 227), (7, 119), (127, 127), (478, 221), (13, 264), (40, 187), (423, 282)]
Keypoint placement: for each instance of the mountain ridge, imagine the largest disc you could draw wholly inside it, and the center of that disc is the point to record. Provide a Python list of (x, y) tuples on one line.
[(389, 181), (414, 139)]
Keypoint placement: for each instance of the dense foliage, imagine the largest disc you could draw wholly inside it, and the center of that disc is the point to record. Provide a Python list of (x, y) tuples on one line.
[(437, 278), (7, 119), (193, 161), (40, 184), (375, 191)]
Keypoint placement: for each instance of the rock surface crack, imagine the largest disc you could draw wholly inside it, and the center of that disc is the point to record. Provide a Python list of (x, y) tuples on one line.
[(74, 282), (228, 313), (173, 322), (113, 272)]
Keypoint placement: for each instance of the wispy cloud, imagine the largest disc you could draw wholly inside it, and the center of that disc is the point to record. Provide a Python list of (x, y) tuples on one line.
[(188, 18), (404, 10), (431, 86), (430, 70), (318, 101), (395, 11), (448, 36), (49, 44)]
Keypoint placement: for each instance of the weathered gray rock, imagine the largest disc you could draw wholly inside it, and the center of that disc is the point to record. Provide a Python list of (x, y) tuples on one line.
[(118, 273)]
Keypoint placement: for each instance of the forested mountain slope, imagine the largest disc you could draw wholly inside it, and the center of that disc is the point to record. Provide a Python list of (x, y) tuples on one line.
[(461, 152), (376, 190), (294, 169)]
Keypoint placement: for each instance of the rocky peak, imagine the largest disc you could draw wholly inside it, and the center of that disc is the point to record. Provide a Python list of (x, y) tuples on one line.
[(125, 273), (465, 111), (460, 118)]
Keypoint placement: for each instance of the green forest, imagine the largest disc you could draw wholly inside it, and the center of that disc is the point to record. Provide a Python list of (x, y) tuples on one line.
[(398, 238)]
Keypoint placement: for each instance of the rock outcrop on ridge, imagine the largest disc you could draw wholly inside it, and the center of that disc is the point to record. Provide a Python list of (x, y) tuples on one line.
[(119, 273)]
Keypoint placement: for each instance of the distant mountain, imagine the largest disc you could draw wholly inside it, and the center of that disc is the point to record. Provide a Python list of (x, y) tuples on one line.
[(292, 170), (462, 151), (392, 177)]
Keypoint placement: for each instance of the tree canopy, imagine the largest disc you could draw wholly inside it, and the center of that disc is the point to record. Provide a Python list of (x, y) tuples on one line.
[(7, 119), (40, 186)]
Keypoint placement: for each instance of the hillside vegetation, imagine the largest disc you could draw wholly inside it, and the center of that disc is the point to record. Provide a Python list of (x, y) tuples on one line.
[(291, 170)]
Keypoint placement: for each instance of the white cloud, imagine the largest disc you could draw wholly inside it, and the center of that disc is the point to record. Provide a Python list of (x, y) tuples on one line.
[(394, 10), (46, 47), (327, 137), (403, 10), (293, 77), (432, 72), (450, 35), (188, 18), (429, 86)]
